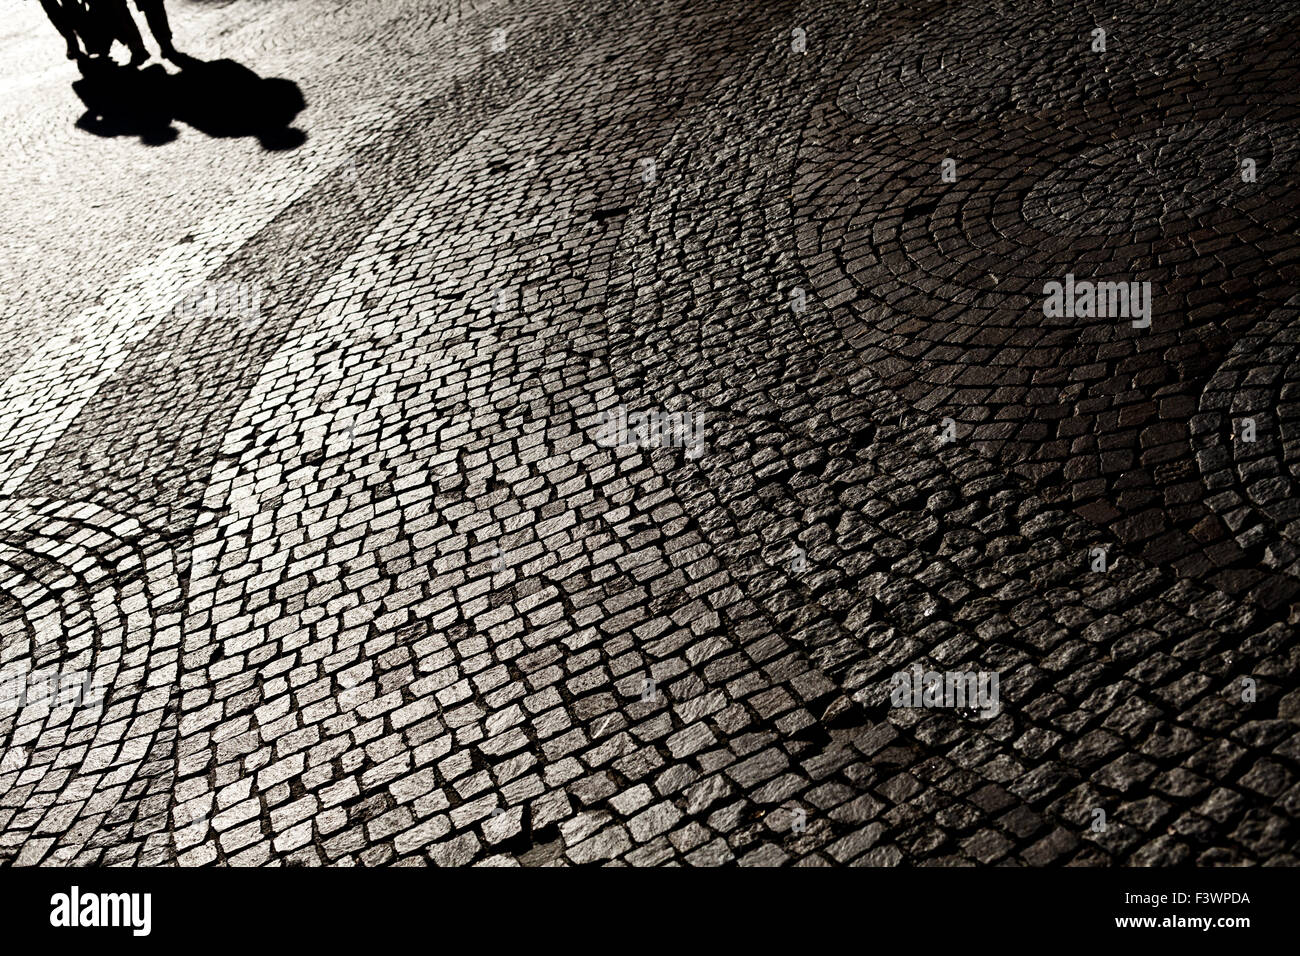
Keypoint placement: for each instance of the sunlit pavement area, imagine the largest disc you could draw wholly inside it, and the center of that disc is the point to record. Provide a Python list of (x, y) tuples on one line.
[(328, 535)]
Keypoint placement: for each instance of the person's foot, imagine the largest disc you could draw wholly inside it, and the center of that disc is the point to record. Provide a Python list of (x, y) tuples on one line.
[(139, 57), (73, 51), (169, 52)]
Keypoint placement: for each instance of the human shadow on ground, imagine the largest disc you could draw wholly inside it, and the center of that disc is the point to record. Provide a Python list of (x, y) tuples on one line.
[(220, 98)]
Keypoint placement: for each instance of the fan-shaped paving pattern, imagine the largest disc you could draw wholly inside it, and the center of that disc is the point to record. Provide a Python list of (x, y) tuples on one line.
[(1247, 435), (973, 61), (1138, 183), (93, 606), (948, 278), (427, 618)]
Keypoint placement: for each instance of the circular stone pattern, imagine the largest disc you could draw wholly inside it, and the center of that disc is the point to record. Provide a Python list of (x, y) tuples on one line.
[(976, 61), (940, 283), (86, 671), (1247, 439), (1142, 181)]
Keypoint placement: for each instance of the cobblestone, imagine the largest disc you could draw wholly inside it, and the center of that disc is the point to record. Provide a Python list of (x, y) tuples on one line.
[(366, 581)]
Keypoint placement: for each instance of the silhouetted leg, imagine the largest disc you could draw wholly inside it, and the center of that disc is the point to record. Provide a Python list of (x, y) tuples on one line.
[(119, 16), (155, 14), (54, 10)]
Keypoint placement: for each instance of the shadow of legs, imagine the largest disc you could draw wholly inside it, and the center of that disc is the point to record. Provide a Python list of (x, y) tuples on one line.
[(221, 99)]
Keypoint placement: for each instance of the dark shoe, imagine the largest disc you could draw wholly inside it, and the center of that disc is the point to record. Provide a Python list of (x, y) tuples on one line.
[(139, 57), (170, 52), (73, 51)]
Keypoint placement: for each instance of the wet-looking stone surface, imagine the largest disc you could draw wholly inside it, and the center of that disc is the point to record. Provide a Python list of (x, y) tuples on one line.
[(538, 433)]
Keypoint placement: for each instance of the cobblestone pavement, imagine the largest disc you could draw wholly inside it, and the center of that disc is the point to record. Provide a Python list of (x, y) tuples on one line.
[(304, 470)]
